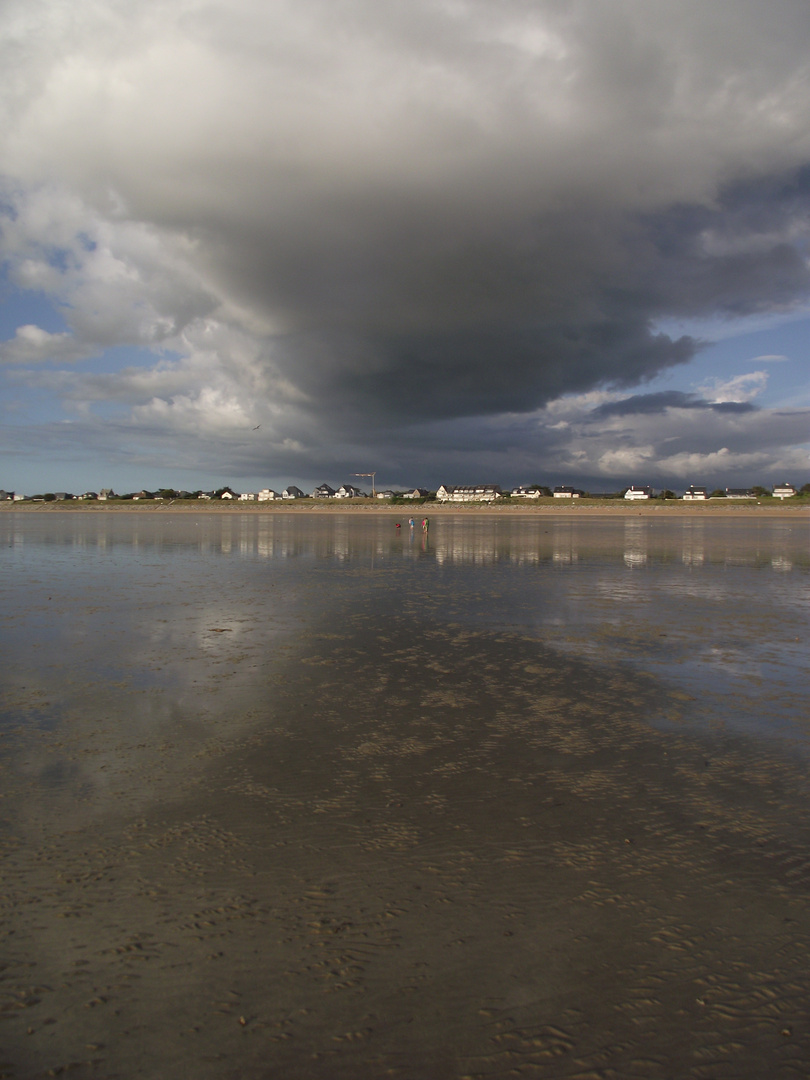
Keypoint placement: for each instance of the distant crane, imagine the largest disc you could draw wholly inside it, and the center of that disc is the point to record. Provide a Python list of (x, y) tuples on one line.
[(372, 475)]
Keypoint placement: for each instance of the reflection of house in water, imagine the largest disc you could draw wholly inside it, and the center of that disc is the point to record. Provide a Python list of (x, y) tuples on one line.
[(459, 543), (486, 542), (341, 541), (636, 539), (693, 551), (563, 547), (781, 564)]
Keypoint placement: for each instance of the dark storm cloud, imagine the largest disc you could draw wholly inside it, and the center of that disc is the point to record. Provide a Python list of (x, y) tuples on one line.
[(464, 315), (475, 371), (668, 399)]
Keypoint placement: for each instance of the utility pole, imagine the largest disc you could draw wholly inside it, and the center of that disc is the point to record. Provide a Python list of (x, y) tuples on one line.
[(372, 475)]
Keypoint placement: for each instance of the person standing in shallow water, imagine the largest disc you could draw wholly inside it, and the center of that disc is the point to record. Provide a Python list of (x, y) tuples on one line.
[(425, 525)]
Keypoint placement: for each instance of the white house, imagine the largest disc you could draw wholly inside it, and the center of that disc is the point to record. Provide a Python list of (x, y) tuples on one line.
[(348, 491), (695, 493), (479, 493), (739, 493), (416, 493), (323, 492), (248, 496), (634, 492), (524, 492), (784, 491), (565, 492), (292, 492)]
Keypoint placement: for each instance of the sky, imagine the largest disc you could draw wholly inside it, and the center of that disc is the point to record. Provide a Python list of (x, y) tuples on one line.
[(288, 241)]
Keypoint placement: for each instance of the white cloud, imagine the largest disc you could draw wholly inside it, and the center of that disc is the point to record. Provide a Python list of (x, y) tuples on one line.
[(625, 462), (32, 345), (737, 389)]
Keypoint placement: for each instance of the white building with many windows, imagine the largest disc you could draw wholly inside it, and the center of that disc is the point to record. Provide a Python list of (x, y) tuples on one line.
[(472, 493)]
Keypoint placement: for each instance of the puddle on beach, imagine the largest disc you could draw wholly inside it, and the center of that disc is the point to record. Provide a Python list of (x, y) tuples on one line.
[(313, 797)]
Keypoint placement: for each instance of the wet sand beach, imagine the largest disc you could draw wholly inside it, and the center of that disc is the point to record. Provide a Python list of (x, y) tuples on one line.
[(496, 804)]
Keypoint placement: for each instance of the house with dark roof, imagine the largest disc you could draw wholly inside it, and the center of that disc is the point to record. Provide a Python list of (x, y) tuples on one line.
[(635, 492)]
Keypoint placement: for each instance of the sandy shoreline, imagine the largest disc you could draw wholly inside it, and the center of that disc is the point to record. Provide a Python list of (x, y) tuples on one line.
[(580, 508)]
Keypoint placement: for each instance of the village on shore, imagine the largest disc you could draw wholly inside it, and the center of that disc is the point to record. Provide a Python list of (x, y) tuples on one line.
[(481, 493)]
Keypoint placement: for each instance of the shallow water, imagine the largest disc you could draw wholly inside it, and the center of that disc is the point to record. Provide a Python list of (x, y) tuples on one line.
[(307, 795)]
